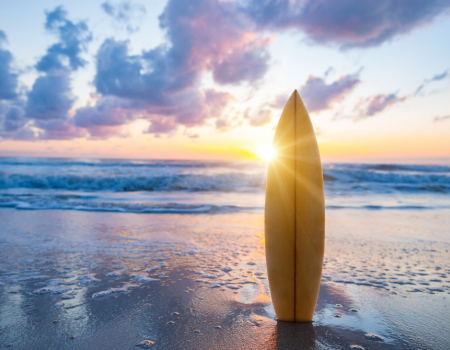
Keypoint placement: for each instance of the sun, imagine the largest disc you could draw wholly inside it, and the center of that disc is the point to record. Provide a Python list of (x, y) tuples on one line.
[(265, 152)]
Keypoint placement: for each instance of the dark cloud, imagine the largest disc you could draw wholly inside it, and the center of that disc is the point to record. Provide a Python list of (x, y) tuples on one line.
[(441, 119), (426, 82), (125, 13), (318, 95), (370, 106), (346, 23), (8, 78)]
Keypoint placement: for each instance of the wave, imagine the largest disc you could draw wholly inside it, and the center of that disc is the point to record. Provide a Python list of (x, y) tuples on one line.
[(127, 163), (171, 208), (372, 174), (353, 180), (108, 163), (385, 207), (154, 176), (178, 182), (175, 208), (404, 167), (202, 182)]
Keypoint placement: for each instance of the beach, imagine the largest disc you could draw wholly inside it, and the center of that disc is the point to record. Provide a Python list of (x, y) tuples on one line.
[(98, 256)]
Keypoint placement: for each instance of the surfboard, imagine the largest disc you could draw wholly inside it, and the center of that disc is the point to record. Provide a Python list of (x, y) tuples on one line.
[(294, 216)]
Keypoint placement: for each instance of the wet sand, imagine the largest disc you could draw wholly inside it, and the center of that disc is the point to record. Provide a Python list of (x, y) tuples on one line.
[(86, 280)]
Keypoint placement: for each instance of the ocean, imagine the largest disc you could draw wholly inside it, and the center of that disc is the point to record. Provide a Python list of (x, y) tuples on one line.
[(168, 186), (119, 254)]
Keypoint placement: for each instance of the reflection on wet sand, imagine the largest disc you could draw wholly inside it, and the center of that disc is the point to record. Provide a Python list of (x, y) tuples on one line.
[(287, 335), (199, 282)]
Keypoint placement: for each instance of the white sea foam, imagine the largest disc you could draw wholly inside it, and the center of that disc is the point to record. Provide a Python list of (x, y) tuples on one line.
[(86, 279), (51, 290), (110, 291), (115, 273), (144, 278)]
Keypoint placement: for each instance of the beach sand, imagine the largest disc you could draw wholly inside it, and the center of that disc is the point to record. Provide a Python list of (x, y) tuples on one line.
[(88, 280)]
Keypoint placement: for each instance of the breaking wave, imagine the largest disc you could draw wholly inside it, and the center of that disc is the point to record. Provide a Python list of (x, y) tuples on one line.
[(352, 176), (178, 182)]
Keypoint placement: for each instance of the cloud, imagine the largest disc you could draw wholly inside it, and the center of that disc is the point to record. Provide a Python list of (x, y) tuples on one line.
[(163, 85), (43, 112), (224, 40), (3, 38), (262, 117), (426, 82), (106, 118), (73, 38), (346, 23), (211, 35), (280, 101), (11, 116), (248, 64), (125, 13), (192, 136), (129, 92), (8, 78), (163, 125), (441, 119), (231, 120), (58, 129), (50, 97), (319, 96), (109, 111), (373, 105), (11, 106)]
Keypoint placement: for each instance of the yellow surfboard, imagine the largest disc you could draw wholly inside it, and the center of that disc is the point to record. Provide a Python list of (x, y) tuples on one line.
[(295, 216)]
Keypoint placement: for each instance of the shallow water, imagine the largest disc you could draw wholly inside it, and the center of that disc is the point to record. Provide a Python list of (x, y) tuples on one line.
[(113, 280)]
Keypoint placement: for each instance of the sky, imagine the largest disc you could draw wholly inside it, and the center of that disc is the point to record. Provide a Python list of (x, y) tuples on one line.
[(207, 79)]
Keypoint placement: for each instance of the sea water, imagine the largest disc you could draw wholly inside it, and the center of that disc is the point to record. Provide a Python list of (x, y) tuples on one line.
[(158, 186)]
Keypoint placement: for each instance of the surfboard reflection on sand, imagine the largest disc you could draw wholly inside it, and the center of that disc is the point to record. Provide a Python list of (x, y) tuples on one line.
[(288, 335)]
